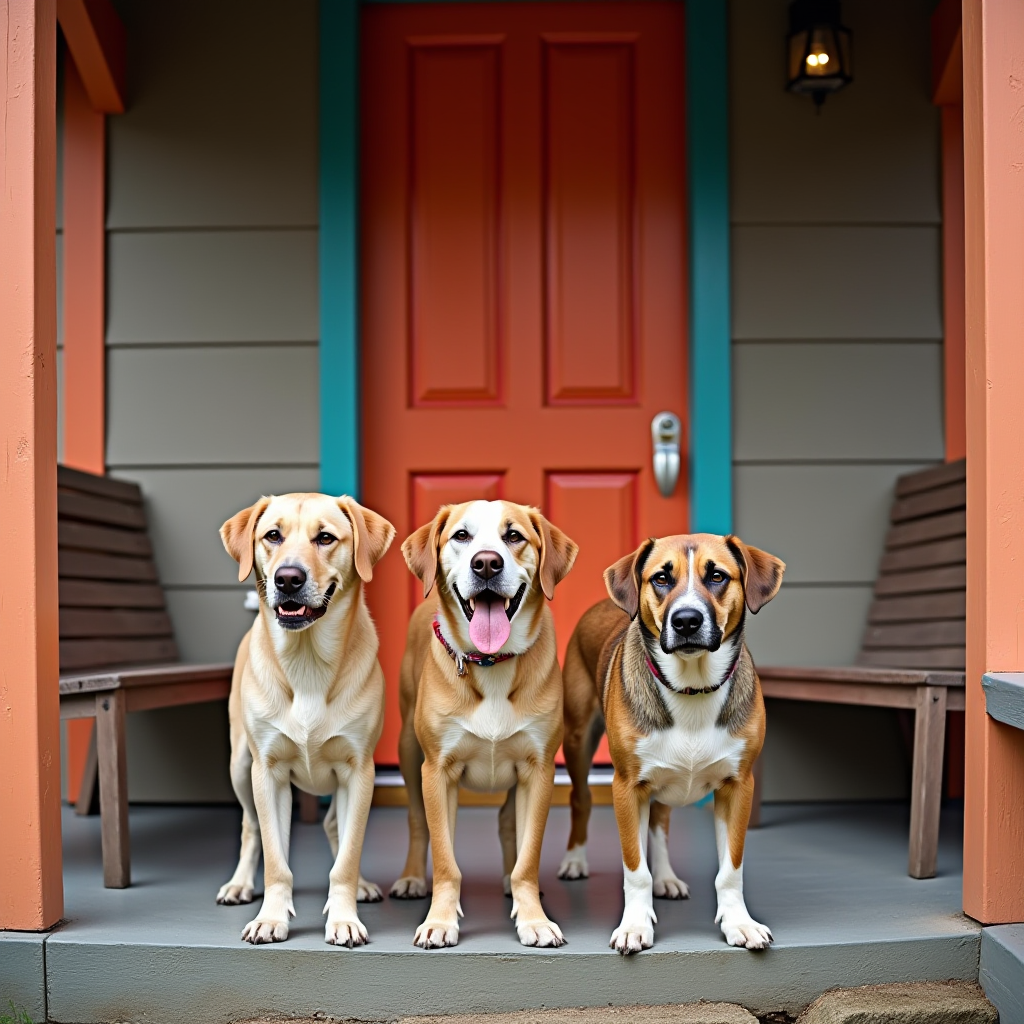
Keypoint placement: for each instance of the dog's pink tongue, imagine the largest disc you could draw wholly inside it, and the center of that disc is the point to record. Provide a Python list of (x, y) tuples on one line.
[(489, 628)]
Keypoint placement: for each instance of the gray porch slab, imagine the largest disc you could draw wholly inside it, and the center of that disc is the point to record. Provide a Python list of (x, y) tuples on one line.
[(22, 974), (1002, 970), (830, 880)]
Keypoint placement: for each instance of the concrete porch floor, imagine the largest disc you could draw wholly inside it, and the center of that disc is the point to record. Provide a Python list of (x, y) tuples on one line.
[(830, 880)]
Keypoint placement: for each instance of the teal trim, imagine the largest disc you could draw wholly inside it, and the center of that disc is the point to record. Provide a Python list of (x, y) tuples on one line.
[(707, 114), (339, 247)]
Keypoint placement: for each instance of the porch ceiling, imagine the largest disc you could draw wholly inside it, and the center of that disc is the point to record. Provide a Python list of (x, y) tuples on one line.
[(830, 880)]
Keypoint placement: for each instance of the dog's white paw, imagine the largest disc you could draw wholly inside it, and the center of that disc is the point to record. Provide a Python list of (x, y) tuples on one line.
[(574, 864), (541, 932), (632, 938), (368, 892), (229, 894), (436, 934), (743, 930), (261, 931), (409, 888), (671, 888), (347, 933)]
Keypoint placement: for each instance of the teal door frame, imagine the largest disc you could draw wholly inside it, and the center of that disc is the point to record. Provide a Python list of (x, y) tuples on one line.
[(710, 399)]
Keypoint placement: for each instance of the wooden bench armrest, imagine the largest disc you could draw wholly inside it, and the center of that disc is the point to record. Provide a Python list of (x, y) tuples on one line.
[(857, 674), (134, 676)]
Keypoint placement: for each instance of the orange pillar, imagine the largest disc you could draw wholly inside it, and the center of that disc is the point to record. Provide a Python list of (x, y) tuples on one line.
[(84, 294), (993, 35), (31, 893), (953, 279)]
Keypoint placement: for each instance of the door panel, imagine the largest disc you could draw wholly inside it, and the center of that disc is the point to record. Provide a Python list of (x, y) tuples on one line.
[(523, 276)]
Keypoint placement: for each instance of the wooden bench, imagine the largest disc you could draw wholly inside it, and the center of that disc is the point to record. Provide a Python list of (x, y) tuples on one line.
[(117, 648), (913, 651)]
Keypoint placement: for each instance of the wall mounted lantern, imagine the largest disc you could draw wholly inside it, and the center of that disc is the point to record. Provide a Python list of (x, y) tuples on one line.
[(819, 49)]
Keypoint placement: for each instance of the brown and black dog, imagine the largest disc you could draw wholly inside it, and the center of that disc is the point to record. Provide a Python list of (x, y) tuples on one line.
[(663, 667)]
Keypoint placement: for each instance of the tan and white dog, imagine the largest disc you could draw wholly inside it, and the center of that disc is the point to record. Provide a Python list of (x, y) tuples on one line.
[(481, 701), (664, 668), (307, 698)]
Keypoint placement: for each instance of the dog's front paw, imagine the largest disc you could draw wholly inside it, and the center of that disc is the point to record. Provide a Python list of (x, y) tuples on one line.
[(260, 931), (541, 932), (743, 930), (351, 932), (409, 887), (368, 892), (635, 931), (436, 934), (230, 894), (574, 864), (671, 888)]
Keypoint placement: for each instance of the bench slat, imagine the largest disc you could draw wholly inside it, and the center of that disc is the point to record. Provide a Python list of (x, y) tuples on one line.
[(93, 594), (928, 479), (83, 623), (861, 674), (937, 633), (918, 531), (923, 581), (73, 505), (942, 499), (89, 565), (949, 605), (141, 675), (951, 658), (102, 486), (952, 551), (73, 535), (93, 653)]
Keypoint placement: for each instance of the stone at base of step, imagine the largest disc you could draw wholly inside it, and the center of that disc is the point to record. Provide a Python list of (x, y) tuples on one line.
[(949, 1002)]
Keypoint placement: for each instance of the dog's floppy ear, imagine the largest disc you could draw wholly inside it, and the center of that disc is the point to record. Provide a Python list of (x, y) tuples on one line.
[(557, 553), (422, 549), (623, 578), (762, 573), (238, 535), (372, 535)]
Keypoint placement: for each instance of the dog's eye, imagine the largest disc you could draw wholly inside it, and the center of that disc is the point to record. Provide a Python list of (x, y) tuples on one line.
[(513, 537), (324, 539), (274, 536), (460, 535), (660, 579), (718, 576)]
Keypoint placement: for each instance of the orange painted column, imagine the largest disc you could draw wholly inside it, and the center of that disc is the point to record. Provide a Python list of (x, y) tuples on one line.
[(31, 892), (993, 33), (953, 279), (84, 294)]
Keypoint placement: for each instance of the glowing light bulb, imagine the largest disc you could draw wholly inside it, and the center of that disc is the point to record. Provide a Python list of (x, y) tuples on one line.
[(812, 60), (822, 58)]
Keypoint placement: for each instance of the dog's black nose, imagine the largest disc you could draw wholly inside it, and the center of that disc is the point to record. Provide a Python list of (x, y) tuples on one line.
[(486, 564), (289, 578), (687, 621)]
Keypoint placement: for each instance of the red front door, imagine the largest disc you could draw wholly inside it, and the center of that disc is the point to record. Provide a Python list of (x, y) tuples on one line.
[(523, 276)]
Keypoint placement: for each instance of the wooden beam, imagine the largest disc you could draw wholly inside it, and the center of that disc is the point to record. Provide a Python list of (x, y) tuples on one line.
[(31, 894), (947, 54), (84, 318), (96, 40), (993, 35), (954, 356)]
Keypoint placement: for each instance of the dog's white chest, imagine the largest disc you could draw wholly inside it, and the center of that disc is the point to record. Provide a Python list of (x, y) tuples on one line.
[(691, 758)]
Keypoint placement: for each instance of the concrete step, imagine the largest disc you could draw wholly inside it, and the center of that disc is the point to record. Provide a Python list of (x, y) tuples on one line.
[(1002, 970), (949, 1002)]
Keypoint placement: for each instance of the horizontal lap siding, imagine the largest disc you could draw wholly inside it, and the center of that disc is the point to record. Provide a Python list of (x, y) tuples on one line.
[(837, 360), (212, 322)]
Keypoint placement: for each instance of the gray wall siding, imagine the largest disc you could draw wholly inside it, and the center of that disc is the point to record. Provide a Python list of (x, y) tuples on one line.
[(212, 322), (837, 358)]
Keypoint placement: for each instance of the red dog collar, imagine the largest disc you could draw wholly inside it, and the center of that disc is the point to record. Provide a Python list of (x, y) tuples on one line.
[(461, 657), (688, 690)]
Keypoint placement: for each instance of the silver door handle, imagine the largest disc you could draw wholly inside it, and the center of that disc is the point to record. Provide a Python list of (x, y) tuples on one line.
[(665, 433)]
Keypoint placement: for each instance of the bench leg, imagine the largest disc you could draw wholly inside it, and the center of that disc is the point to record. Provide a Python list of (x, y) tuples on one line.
[(755, 804), (926, 785), (88, 802), (309, 808), (113, 766)]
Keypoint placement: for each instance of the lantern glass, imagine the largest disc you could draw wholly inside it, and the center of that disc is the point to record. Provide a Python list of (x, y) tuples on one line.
[(819, 55)]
